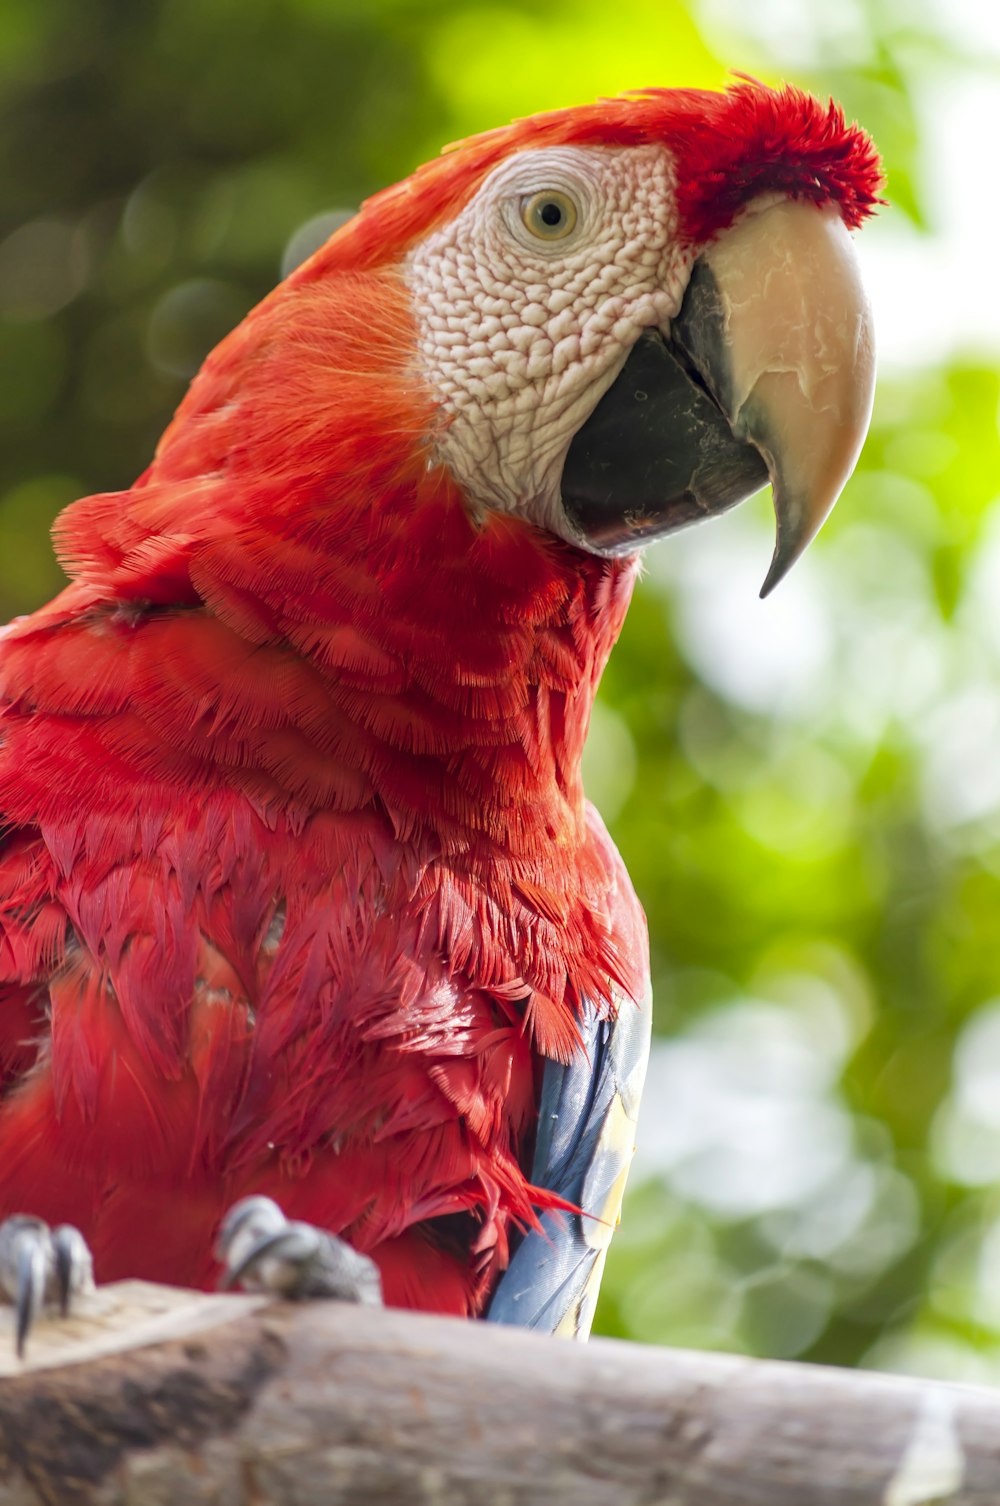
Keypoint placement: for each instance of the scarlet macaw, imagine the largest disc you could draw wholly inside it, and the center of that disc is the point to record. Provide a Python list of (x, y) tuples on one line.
[(301, 901)]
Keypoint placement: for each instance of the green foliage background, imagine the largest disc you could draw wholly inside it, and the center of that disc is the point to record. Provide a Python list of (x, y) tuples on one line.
[(818, 848)]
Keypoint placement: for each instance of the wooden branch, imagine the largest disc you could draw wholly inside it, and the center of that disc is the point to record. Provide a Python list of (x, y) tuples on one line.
[(155, 1397)]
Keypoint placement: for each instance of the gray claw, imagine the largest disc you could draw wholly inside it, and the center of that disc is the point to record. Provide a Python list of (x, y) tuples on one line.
[(41, 1267), (247, 1221), (32, 1254), (74, 1265), (264, 1251)]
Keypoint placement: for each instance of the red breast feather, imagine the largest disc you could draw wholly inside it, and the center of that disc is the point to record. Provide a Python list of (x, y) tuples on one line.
[(303, 883)]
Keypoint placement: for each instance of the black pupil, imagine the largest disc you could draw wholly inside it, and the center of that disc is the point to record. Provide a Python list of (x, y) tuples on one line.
[(551, 214)]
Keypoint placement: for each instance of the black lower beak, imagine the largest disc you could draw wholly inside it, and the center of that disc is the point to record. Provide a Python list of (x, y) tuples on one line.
[(656, 454)]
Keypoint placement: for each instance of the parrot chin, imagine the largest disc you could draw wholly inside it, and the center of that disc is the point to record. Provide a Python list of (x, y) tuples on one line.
[(767, 374)]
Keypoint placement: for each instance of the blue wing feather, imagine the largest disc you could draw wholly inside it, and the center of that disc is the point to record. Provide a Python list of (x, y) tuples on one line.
[(586, 1136)]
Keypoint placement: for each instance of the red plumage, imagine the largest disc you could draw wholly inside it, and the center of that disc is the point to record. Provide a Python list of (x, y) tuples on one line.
[(299, 887)]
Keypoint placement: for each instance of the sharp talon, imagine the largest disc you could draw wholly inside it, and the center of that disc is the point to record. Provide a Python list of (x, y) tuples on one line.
[(250, 1230), (74, 1266), (25, 1253), (250, 1218), (33, 1258), (64, 1276), (251, 1225), (40, 1267), (257, 1251), (259, 1248)]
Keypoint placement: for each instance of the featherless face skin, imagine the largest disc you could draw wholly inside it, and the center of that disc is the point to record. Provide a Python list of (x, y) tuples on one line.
[(302, 906)]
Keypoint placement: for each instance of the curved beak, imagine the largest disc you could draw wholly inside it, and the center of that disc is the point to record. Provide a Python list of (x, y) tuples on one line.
[(768, 373)]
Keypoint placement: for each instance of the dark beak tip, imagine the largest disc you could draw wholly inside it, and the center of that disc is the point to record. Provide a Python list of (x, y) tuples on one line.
[(776, 572), (794, 533)]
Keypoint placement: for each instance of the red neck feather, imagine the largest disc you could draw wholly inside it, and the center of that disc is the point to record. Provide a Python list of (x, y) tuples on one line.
[(443, 671)]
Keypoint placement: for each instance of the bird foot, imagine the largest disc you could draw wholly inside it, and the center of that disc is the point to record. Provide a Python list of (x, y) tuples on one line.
[(41, 1267), (263, 1251)]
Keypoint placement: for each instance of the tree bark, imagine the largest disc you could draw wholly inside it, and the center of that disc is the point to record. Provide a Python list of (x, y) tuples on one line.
[(154, 1396)]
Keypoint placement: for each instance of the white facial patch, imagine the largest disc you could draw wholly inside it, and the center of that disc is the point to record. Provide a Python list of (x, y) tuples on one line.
[(521, 330)]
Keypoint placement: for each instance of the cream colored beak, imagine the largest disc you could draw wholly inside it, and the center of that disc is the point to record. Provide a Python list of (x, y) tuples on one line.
[(799, 374), (767, 373)]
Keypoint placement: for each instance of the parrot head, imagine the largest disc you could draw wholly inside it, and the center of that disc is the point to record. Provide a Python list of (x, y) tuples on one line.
[(607, 321), (632, 315), (426, 463)]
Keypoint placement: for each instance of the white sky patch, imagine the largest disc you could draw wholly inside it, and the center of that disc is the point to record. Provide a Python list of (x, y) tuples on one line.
[(766, 656), (741, 1114), (935, 294), (966, 1135)]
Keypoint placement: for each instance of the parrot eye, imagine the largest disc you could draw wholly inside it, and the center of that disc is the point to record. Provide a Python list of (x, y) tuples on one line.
[(549, 215)]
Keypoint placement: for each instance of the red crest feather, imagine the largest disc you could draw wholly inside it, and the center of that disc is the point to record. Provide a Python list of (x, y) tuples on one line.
[(729, 147)]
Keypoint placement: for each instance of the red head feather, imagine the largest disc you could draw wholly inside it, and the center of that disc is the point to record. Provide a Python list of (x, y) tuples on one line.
[(729, 147)]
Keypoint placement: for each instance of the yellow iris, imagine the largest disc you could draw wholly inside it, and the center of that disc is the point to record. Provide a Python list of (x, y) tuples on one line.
[(550, 215)]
